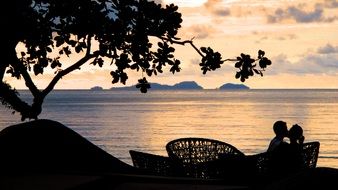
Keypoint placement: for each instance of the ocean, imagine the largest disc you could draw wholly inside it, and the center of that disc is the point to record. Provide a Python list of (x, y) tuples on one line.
[(119, 121)]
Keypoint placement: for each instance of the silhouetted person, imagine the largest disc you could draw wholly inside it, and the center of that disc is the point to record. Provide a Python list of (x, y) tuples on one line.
[(295, 148), (288, 158), (281, 130)]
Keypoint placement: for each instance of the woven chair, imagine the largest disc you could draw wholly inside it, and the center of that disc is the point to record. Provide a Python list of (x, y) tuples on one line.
[(196, 154), (261, 162), (155, 164), (310, 153)]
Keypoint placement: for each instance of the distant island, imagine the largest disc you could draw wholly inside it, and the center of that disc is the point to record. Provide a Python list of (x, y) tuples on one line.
[(230, 86), (185, 85), (96, 88)]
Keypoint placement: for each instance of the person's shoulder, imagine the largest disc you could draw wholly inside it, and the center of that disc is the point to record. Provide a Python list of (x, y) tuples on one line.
[(283, 146), (296, 146), (273, 144), (275, 141)]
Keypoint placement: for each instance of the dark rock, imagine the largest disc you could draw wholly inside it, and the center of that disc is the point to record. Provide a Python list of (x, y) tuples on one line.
[(48, 146)]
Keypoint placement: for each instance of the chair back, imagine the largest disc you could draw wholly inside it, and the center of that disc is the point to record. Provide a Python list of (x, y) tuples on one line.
[(194, 152), (154, 164), (311, 151), (261, 162)]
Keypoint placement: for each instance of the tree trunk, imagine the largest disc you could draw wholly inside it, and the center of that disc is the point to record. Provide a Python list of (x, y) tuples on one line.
[(7, 94), (3, 67)]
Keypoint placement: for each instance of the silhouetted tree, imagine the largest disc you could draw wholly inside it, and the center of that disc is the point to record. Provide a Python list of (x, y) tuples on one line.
[(97, 30)]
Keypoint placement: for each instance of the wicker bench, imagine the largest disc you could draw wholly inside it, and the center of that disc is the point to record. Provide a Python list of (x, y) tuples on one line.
[(199, 155), (155, 164)]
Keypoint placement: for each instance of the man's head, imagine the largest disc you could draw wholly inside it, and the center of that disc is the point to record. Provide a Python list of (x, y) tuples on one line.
[(280, 128)]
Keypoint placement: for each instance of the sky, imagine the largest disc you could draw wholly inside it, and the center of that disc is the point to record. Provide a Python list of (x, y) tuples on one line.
[(299, 36)]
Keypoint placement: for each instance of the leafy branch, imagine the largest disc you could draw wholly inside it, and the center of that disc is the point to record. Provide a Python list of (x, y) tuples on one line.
[(121, 31)]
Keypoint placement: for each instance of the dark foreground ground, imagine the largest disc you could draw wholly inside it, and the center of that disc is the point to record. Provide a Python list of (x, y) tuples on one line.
[(112, 181), (45, 154)]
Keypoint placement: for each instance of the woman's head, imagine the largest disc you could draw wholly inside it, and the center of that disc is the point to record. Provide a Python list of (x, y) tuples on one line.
[(295, 132)]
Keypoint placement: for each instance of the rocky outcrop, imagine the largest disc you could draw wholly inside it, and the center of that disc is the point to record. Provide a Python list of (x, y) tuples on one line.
[(48, 146)]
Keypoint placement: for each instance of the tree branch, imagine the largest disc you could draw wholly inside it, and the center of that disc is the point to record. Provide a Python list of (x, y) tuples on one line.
[(62, 73), (183, 43), (12, 59), (71, 68), (9, 98), (192, 44), (28, 80), (14, 62), (230, 60), (2, 70), (89, 44)]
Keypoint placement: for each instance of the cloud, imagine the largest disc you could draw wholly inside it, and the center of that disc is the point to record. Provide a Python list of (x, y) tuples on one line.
[(309, 64), (327, 49), (331, 3), (296, 14), (157, 1), (302, 16), (299, 15), (292, 36), (199, 31), (287, 37), (280, 37), (216, 8), (324, 63)]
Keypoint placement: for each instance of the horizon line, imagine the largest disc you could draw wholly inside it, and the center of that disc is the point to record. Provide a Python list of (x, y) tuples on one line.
[(26, 89)]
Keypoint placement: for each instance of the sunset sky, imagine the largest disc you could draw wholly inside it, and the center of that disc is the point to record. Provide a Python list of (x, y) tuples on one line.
[(299, 36)]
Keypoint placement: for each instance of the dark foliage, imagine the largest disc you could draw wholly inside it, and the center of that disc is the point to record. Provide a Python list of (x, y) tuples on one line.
[(247, 66), (98, 31)]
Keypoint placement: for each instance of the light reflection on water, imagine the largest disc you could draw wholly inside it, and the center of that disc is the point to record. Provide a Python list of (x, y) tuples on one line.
[(119, 121)]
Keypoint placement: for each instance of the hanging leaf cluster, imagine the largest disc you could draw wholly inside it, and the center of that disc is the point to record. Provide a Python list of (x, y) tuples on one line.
[(247, 66), (211, 60), (143, 85)]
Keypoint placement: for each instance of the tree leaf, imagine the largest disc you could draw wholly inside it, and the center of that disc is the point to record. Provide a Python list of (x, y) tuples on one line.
[(260, 54), (238, 74), (238, 64)]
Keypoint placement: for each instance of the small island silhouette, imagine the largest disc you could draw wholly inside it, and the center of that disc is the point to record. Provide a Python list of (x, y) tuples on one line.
[(96, 88), (185, 85), (230, 86)]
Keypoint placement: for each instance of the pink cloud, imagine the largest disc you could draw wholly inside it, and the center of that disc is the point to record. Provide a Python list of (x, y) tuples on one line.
[(216, 8)]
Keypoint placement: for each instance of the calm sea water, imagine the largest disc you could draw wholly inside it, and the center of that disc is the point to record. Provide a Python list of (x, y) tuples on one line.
[(119, 121)]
